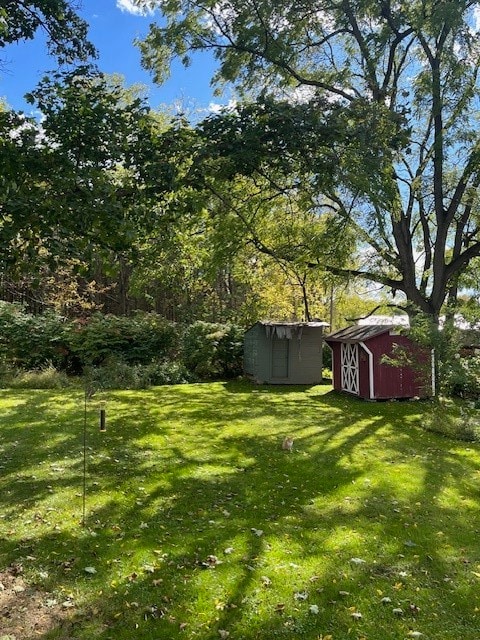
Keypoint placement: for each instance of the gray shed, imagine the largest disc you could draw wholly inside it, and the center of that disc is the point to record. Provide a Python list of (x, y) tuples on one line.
[(284, 352)]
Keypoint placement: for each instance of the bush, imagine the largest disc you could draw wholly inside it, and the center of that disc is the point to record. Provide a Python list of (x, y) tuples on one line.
[(454, 419), (32, 342), (211, 350), (115, 373), (124, 352), (169, 373), (134, 339), (46, 378), (462, 377)]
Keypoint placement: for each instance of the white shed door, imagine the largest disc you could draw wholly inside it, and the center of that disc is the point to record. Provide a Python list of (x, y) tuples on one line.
[(349, 354)]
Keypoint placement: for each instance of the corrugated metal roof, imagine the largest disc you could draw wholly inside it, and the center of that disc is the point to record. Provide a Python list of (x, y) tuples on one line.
[(360, 333)]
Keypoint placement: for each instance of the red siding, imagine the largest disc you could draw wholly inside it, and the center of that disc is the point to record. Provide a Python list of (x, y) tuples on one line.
[(393, 381), (388, 381), (364, 375)]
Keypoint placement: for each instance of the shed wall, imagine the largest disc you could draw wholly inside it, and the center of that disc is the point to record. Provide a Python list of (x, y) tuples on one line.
[(392, 381), (277, 360), (306, 357), (257, 353), (364, 373), (388, 381)]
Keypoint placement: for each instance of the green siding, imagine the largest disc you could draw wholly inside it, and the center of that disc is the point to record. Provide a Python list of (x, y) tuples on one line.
[(284, 361), (280, 353)]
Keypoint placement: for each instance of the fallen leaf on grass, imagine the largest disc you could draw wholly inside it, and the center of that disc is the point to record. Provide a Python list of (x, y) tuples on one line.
[(90, 570), (154, 612), (357, 560), (149, 568), (211, 562)]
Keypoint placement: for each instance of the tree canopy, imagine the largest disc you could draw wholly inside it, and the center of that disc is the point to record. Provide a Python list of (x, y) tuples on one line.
[(77, 180), (404, 76), (65, 31)]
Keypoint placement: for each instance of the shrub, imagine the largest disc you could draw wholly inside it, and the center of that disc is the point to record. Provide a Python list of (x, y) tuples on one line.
[(115, 373), (454, 419), (124, 352), (462, 377), (211, 350), (46, 378), (168, 372), (32, 342), (134, 339)]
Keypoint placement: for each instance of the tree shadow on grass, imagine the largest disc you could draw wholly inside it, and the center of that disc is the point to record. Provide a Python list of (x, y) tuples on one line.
[(182, 498)]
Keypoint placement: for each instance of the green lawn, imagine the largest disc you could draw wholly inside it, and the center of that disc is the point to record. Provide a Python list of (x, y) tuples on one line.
[(199, 525)]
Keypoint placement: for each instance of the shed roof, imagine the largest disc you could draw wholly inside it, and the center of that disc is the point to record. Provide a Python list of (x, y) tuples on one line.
[(289, 329), (316, 323), (359, 333)]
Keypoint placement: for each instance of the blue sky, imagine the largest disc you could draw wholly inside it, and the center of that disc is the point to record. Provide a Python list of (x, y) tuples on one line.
[(114, 24)]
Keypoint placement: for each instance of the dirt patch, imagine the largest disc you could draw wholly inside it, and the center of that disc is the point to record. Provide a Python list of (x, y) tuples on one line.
[(27, 612)]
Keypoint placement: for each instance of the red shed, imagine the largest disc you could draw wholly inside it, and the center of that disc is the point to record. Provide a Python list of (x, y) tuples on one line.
[(357, 354)]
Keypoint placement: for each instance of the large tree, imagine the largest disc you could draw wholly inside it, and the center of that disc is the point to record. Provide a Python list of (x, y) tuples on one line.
[(407, 72), (28, 164), (78, 182), (252, 174)]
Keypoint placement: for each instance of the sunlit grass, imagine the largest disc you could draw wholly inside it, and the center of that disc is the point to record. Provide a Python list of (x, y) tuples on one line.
[(198, 524)]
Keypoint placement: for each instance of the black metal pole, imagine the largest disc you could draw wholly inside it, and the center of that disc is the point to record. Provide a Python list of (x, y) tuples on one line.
[(85, 459)]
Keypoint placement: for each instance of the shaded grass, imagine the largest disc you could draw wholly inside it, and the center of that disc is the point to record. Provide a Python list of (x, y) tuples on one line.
[(367, 506)]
